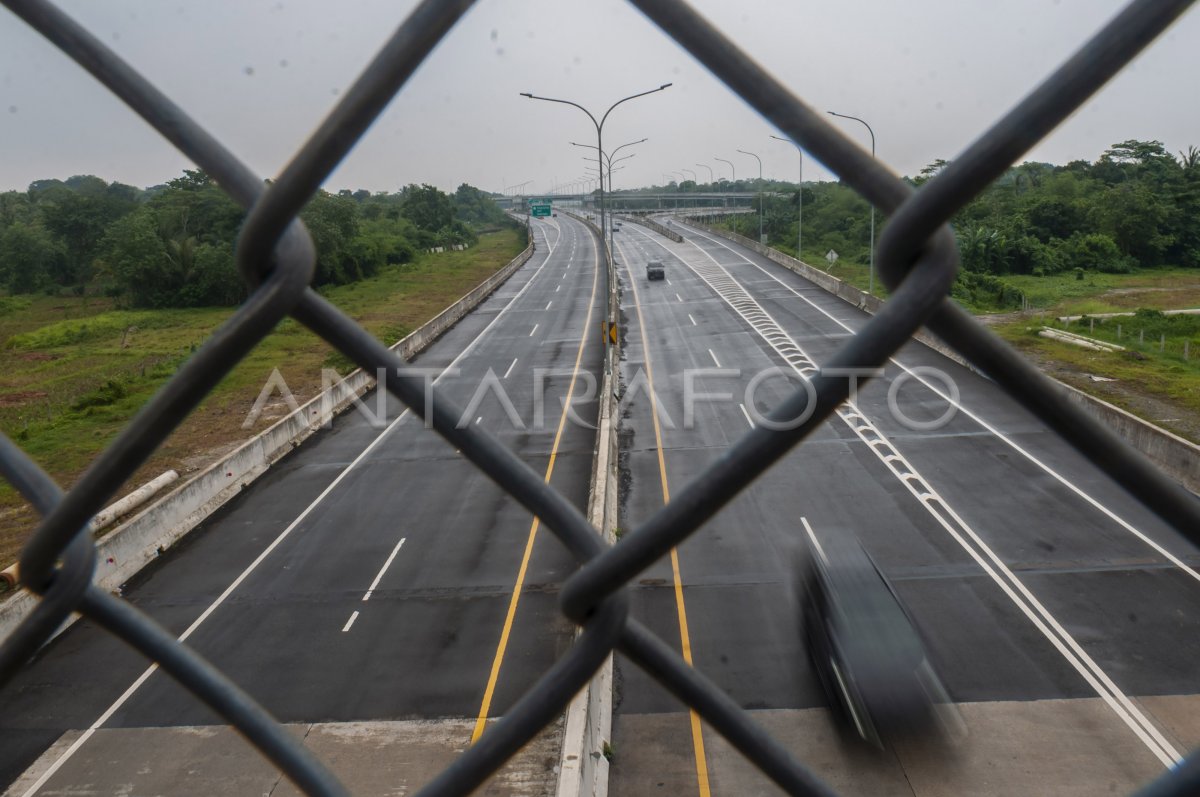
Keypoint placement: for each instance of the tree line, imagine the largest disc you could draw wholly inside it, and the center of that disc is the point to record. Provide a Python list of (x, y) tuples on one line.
[(172, 245), (1136, 206)]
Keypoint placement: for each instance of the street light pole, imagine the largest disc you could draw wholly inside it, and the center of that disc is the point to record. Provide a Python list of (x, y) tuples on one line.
[(871, 283), (760, 193), (799, 199), (599, 137), (732, 171), (608, 156)]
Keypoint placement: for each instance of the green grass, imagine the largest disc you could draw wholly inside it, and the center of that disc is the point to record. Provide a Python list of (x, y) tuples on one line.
[(1154, 364), (1164, 374), (856, 274), (76, 370), (1065, 294)]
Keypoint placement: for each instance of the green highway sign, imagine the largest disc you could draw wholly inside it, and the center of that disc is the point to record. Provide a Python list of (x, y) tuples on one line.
[(540, 210)]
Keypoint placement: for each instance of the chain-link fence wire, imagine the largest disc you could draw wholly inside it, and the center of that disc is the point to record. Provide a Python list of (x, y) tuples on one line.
[(275, 254)]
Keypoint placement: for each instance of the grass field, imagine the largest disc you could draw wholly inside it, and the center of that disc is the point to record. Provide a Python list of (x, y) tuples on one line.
[(1064, 294), (1157, 376), (76, 370)]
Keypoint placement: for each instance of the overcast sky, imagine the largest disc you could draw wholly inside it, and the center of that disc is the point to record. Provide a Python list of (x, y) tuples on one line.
[(929, 75)]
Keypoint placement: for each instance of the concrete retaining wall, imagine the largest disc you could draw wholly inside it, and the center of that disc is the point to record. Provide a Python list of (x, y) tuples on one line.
[(1176, 457), (127, 549), (646, 221)]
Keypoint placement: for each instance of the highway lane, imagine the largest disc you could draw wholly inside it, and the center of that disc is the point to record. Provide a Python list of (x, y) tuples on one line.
[(1122, 604), (395, 513)]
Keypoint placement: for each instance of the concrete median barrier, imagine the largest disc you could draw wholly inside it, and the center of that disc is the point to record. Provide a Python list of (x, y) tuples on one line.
[(587, 730)]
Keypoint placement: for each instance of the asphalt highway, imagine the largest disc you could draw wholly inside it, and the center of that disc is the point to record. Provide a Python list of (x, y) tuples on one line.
[(1032, 577), (373, 574)]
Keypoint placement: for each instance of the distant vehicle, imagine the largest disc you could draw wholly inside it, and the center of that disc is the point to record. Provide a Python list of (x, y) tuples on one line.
[(654, 270), (555, 215), (616, 228)]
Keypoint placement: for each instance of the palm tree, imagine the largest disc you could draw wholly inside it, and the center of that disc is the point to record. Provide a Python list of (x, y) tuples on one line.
[(1190, 159)]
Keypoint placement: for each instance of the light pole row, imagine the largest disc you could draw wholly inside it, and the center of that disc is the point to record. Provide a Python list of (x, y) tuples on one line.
[(604, 227)]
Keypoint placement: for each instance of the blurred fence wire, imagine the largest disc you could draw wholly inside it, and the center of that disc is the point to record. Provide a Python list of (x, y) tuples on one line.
[(916, 256)]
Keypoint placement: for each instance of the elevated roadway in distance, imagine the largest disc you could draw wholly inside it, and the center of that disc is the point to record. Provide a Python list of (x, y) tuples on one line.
[(374, 589), (1061, 614)]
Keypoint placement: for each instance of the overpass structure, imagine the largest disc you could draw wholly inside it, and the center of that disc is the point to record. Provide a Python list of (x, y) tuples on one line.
[(644, 202)]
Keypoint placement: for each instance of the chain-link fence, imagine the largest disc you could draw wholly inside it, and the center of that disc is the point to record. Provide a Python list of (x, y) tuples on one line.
[(916, 256)]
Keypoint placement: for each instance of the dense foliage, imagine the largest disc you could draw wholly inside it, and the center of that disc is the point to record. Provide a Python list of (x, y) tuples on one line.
[(1137, 206), (173, 245)]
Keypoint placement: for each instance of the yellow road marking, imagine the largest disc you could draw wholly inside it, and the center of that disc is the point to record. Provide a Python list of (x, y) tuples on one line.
[(681, 609), (494, 676)]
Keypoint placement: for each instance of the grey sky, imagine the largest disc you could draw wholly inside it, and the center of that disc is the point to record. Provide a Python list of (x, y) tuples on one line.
[(929, 75)]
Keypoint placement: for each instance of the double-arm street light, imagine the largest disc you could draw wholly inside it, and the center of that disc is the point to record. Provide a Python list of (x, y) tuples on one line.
[(608, 156), (871, 283), (608, 170), (760, 193), (799, 198), (599, 136)]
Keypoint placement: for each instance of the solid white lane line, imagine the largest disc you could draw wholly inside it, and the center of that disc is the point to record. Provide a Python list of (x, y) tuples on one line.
[(816, 543), (1078, 491), (128, 693), (748, 419), (382, 570), (349, 622), (535, 326), (511, 365), (729, 289), (715, 360), (692, 319)]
